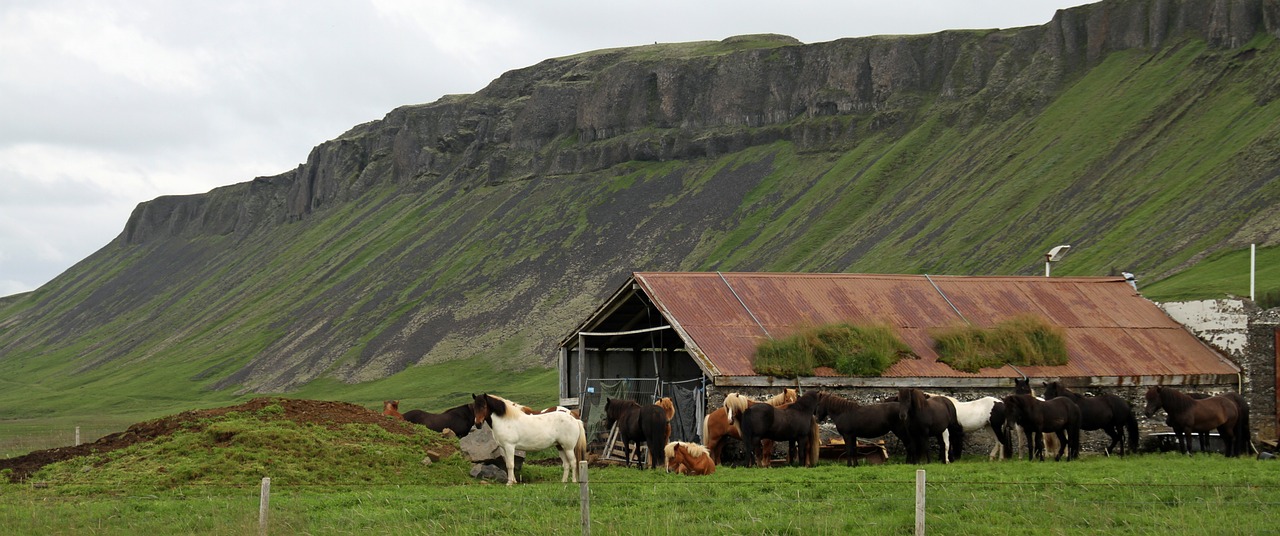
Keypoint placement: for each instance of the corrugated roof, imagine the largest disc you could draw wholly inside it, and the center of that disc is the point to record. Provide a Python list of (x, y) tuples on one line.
[(1110, 329)]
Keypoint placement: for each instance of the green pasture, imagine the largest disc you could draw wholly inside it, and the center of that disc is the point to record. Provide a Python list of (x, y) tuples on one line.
[(1145, 494)]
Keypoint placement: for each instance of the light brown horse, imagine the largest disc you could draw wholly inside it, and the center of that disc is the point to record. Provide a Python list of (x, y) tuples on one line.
[(716, 425), (391, 408), (689, 459)]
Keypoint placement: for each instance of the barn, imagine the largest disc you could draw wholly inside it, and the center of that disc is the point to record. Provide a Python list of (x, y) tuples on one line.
[(692, 335)]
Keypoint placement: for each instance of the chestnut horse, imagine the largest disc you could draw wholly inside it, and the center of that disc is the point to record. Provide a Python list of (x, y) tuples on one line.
[(716, 425), (689, 459), (514, 429), (391, 408), (1228, 413)]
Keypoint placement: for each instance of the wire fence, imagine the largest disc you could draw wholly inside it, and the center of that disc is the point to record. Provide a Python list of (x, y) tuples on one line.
[(19, 439), (610, 503)]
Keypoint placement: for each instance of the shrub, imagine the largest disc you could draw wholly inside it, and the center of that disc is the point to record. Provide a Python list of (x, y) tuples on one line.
[(1022, 340), (850, 350)]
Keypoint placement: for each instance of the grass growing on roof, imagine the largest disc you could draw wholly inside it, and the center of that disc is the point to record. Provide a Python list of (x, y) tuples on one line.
[(850, 350), (1021, 340)]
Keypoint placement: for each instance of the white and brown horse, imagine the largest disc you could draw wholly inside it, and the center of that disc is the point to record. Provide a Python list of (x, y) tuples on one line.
[(514, 429)]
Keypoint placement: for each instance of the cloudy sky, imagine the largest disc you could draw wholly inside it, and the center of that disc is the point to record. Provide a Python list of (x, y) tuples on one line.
[(105, 104)]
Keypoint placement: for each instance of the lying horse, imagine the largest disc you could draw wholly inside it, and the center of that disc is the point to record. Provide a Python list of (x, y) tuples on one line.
[(514, 429), (1228, 413), (637, 423), (716, 425), (923, 417), (1059, 416), (1106, 412), (459, 419), (794, 423), (689, 459)]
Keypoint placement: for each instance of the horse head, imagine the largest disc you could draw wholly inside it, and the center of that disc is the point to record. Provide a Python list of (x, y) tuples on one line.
[(809, 402), (1154, 402), (906, 402), (734, 405), (1052, 390), (1022, 386), (480, 407)]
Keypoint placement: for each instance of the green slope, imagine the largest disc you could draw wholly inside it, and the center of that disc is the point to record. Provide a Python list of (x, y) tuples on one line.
[(427, 288)]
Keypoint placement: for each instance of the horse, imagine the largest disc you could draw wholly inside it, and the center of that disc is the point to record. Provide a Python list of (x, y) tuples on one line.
[(794, 423), (1060, 416), (986, 412), (391, 408), (716, 425), (854, 420), (1106, 412), (1043, 443), (688, 458), (923, 417), (458, 419), (514, 429), (637, 423), (1228, 413)]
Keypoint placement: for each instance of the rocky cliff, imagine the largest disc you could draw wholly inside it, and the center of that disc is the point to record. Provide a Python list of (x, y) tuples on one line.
[(490, 224)]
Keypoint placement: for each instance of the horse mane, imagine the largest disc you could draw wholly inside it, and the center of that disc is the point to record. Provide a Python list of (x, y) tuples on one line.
[(1173, 400), (735, 404), (839, 403), (696, 451), (498, 405), (667, 406)]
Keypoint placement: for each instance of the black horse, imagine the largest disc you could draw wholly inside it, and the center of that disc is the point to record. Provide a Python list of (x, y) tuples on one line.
[(637, 423), (1106, 412), (1060, 416), (854, 420), (794, 423), (923, 417), (459, 419)]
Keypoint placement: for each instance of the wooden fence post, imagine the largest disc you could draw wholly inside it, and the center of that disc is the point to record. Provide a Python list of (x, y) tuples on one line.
[(77, 436), (919, 502), (586, 498), (263, 499)]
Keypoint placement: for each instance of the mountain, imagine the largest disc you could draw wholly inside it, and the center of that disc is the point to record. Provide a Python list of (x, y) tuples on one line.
[(1145, 133)]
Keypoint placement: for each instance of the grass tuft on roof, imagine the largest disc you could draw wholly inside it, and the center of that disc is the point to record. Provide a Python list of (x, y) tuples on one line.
[(1021, 340), (850, 350)]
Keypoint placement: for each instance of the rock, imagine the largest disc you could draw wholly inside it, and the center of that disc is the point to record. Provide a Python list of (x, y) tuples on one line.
[(486, 471)]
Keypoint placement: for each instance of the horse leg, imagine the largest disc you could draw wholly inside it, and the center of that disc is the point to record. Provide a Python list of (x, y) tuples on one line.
[(945, 441), (1062, 444), (566, 459), (1031, 443), (509, 458)]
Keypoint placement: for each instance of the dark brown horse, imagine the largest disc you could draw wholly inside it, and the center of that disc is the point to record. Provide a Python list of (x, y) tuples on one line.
[(793, 423), (1060, 416), (1228, 413), (1106, 412), (460, 419), (854, 420), (923, 417), (638, 423)]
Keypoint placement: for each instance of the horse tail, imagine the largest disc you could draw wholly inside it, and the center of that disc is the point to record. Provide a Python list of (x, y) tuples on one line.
[(1243, 439), (1131, 424), (580, 448)]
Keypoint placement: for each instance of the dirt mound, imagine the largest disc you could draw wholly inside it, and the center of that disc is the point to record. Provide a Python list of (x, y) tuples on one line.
[(329, 413)]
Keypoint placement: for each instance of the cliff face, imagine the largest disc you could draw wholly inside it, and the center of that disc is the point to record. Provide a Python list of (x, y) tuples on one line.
[(489, 224)]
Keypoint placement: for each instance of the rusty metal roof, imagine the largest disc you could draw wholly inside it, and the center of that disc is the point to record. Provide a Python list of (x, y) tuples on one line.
[(1110, 329)]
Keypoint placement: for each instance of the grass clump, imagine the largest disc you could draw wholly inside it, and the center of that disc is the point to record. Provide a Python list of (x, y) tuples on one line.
[(1021, 340), (850, 350)]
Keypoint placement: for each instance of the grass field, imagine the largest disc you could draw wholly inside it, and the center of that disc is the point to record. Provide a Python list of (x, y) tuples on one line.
[(1146, 494)]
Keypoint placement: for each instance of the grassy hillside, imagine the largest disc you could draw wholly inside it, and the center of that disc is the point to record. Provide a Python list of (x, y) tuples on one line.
[(414, 284)]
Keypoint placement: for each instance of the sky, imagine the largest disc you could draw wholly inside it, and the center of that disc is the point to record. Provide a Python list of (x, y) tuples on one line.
[(106, 104)]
